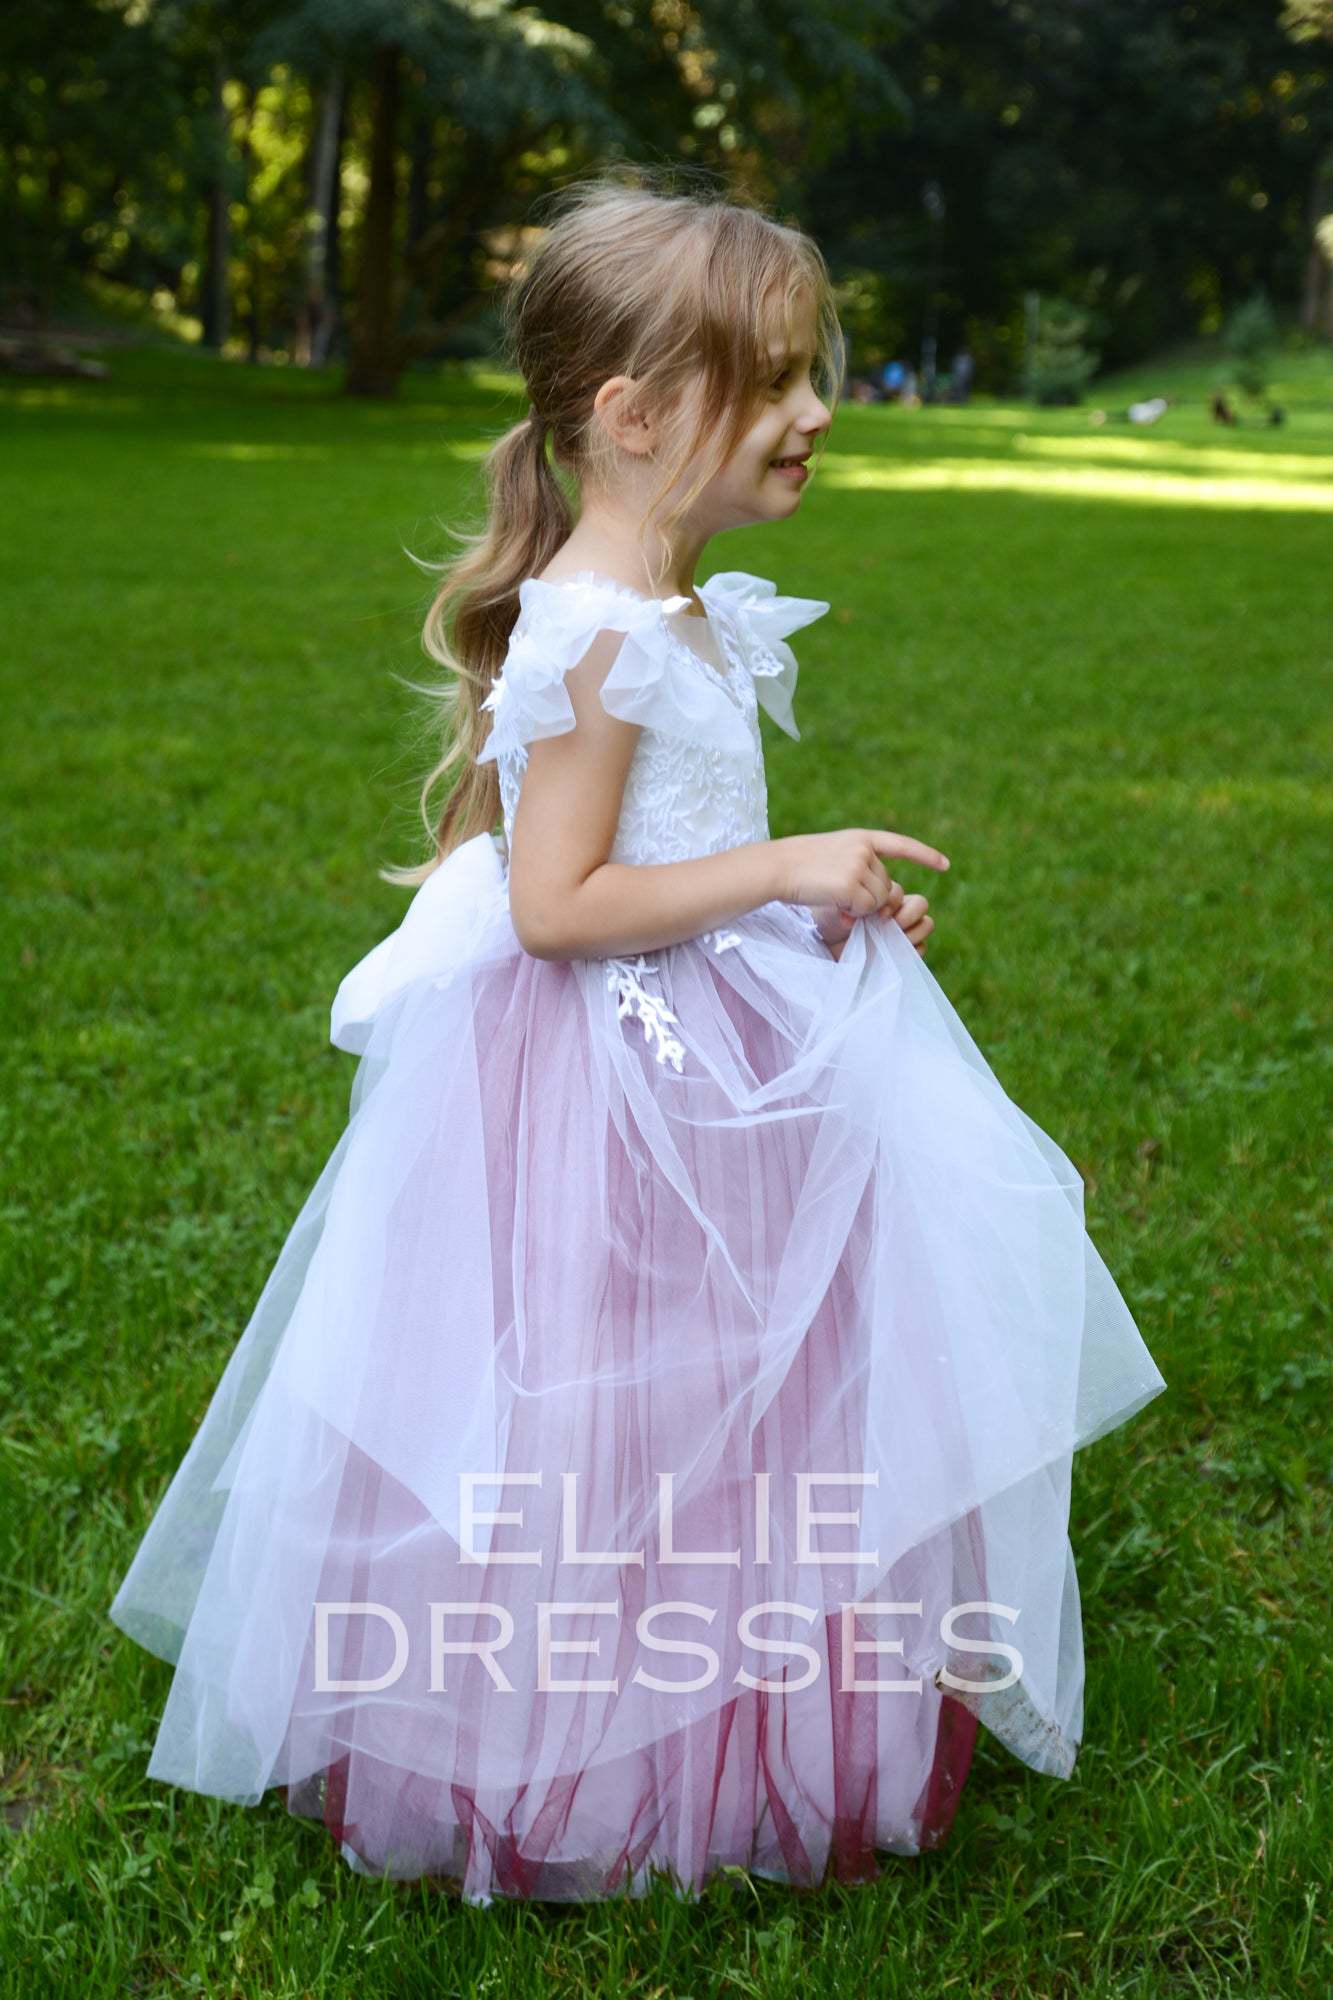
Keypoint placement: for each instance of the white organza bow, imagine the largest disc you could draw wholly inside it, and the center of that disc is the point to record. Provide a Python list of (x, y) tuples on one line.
[(436, 935)]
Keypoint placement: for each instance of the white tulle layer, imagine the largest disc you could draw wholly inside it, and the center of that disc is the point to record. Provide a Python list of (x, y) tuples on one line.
[(828, 1244)]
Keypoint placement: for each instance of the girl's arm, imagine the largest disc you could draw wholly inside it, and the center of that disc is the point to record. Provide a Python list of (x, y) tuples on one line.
[(567, 900), (620, 908)]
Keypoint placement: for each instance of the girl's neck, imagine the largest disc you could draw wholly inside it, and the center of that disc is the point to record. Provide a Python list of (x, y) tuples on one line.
[(599, 542)]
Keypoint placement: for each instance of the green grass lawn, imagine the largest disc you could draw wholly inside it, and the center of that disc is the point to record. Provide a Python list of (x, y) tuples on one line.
[(1093, 664)]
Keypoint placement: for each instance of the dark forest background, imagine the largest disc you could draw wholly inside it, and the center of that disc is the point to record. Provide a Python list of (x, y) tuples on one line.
[(348, 180)]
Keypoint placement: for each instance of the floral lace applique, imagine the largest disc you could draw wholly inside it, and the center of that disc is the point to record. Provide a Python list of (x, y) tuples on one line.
[(651, 1008), (627, 976)]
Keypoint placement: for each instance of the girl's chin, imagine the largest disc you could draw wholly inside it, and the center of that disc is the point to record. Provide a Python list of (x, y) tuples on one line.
[(774, 494)]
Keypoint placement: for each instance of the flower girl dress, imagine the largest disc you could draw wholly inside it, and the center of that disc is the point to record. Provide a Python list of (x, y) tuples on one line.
[(651, 1449)]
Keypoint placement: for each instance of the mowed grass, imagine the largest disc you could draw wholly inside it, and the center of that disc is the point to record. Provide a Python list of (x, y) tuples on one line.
[(1094, 665)]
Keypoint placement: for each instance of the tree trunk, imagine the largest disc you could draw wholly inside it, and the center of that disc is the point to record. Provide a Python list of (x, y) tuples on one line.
[(321, 305), (374, 362), (255, 262), (215, 303), (1317, 294), (418, 182), (333, 276)]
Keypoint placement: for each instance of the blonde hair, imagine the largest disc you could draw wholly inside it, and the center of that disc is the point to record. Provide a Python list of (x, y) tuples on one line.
[(680, 290)]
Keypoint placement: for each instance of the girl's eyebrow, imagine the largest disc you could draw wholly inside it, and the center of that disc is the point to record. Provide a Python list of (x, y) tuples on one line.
[(779, 354)]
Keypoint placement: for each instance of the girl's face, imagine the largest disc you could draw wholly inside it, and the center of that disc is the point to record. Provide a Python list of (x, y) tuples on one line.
[(754, 486)]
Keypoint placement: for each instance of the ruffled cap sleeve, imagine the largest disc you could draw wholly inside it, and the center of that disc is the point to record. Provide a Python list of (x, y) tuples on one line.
[(649, 683), (766, 618)]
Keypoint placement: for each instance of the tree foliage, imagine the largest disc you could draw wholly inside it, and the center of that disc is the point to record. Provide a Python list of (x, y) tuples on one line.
[(300, 172)]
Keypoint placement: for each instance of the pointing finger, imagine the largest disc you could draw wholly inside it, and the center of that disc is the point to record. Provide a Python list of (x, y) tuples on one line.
[(903, 847)]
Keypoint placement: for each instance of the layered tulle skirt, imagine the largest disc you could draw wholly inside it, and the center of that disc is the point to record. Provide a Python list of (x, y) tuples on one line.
[(651, 1449)]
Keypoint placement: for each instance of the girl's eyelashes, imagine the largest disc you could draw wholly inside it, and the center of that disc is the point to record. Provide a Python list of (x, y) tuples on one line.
[(785, 381)]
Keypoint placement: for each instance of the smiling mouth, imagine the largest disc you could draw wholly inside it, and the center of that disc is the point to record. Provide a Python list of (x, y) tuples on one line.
[(790, 461)]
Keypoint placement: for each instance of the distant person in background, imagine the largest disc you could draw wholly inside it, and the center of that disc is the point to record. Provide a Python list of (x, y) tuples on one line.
[(960, 377), (1148, 411), (908, 393), (1223, 413), (892, 380)]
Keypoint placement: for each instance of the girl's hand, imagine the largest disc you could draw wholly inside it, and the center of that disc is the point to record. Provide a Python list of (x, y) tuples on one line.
[(834, 922), (840, 876), (916, 924)]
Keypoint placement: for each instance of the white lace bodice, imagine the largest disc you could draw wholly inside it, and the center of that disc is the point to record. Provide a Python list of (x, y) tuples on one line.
[(696, 782)]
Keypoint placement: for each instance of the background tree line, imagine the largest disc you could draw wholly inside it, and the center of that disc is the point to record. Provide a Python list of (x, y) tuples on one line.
[(319, 179)]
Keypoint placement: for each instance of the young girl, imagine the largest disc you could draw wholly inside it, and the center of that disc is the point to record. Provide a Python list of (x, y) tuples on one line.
[(651, 1450)]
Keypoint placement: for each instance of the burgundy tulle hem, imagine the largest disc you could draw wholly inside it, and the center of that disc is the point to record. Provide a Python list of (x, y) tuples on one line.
[(454, 1845)]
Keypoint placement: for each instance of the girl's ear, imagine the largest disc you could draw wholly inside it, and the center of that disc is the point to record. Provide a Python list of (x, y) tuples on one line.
[(624, 419)]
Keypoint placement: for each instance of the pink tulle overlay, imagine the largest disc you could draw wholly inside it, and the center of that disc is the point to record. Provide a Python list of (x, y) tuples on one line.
[(721, 1387)]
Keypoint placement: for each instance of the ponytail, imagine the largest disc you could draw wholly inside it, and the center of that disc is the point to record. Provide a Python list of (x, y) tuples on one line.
[(467, 631)]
